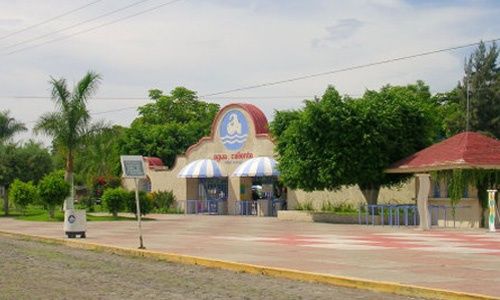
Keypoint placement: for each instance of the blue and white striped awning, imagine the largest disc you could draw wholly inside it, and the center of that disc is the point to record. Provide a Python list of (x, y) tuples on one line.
[(257, 167), (201, 168)]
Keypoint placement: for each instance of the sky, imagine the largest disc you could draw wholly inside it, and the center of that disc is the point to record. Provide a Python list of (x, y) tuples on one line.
[(217, 45)]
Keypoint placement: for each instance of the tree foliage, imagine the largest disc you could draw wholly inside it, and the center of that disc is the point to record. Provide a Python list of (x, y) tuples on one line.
[(99, 154), (168, 126), (9, 126), (115, 199), (28, 162), (70, 124), (23, 193), (53, 189), (339, 141), (145, 203), (483, 80)]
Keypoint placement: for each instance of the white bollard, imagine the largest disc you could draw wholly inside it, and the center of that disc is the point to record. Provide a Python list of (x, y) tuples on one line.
[(491, 204)]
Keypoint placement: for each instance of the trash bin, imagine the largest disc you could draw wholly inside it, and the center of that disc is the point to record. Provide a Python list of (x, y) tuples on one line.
[(75, 223)]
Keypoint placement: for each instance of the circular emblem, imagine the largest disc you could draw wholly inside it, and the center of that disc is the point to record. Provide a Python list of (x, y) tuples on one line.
[(233, 130), (71, 219)]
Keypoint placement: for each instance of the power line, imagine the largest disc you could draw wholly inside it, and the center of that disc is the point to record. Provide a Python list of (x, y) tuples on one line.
[(357, 67), (146, 98), (49, 20), (323, 73), (74, 25), (93, 28)]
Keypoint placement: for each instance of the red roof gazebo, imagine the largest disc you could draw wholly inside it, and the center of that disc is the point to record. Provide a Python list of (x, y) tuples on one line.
[(462, 151), (467, 150)]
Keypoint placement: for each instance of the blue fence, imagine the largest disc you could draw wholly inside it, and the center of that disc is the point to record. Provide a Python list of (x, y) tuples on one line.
[(246, 208), (398, 214), (212, 207), (250, 207)]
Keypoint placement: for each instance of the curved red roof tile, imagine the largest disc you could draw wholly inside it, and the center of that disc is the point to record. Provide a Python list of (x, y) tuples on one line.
[(259, 118), (154, 162), (464, 150)]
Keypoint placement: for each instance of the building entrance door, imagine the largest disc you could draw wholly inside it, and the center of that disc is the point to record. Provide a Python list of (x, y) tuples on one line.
[(213, 195)]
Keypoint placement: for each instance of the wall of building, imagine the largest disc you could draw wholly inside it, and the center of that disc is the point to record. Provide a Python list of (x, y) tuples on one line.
[(468, 212), (260, 144), (352, 196)]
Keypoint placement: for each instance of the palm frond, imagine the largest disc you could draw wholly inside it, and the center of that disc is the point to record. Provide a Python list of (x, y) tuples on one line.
[(86, 87), (49, 124), (9, 126), (60, 93)]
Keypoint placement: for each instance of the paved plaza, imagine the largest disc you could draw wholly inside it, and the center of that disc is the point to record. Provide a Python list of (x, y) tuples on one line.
[(460, 260)]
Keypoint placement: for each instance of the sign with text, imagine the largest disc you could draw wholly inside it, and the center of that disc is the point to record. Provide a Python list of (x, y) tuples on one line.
[(133, 166)]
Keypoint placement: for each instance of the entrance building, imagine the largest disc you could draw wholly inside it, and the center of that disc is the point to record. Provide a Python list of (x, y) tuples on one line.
[(233, 171)]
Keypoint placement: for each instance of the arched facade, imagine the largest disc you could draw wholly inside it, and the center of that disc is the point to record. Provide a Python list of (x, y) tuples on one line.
[(240, 132)]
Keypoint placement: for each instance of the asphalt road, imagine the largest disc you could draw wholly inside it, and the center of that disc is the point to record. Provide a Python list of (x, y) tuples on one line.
[(32, 270)]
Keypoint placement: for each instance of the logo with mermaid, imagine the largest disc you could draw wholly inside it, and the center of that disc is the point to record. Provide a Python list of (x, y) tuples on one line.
[(233, 130)]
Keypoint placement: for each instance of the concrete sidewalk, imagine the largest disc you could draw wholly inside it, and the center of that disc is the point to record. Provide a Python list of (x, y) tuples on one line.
[(467, 261)]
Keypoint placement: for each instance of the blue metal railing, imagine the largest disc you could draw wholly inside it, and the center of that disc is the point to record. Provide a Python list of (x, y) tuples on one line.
[(401, 214), (212, 206), (246, 208)]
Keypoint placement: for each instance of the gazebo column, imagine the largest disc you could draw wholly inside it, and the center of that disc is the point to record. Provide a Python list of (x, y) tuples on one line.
[(424, 185)]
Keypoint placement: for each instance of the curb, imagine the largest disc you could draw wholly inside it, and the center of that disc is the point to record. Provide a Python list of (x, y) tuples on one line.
[(350, 282)]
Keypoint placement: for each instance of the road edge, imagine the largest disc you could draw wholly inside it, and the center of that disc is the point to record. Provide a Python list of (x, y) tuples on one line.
[(350, 282)]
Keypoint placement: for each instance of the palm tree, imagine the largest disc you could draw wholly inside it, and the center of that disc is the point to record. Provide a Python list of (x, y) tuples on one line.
[(70, 124), (9, 126)]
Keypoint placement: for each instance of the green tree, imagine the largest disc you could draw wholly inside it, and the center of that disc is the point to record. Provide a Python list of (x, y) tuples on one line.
[(168, 126), (70, 124), (395, 122), (338, 141), (163, 200), (23, 194), (9, 126), (99, 154), (309, 148), (28, 162), (482, 79), (115, 200), (53, 189), (145, 203)]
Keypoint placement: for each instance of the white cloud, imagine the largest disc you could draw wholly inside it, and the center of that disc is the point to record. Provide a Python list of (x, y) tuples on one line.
[(217, 45)]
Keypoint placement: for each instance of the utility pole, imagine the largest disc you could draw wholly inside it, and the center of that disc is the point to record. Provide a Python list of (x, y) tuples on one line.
[(467, 125)]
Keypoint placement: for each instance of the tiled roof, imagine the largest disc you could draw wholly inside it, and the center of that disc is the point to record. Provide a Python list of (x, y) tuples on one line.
[(259, 119), (154, 162), (464, 150)]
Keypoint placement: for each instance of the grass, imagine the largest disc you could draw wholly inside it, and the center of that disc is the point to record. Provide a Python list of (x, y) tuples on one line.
[(37, 214), (59, 217)]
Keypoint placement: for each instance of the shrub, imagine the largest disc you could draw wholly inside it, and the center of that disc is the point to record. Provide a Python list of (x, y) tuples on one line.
[(338, 208), (307, 206), (115, 200), (145, 200), (163, 200), (23, 193), (87, 202), (101, 183), (53, 190)]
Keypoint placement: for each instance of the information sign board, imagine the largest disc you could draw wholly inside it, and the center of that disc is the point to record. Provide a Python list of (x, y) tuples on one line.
[(133, 166)]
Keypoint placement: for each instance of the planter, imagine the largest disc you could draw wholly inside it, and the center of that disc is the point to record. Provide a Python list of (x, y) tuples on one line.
[(321, 217)]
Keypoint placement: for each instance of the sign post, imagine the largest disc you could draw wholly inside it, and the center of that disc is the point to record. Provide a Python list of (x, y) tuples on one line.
[(133, 167), (491, 204)]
